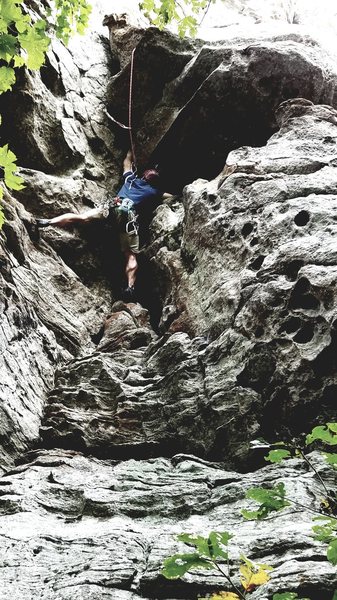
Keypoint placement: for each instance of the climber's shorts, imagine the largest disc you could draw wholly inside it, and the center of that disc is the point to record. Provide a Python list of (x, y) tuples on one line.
[(126, 219), (129, 242)]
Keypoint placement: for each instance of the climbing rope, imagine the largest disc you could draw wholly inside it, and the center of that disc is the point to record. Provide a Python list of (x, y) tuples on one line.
[(129, 126), (130, 108)]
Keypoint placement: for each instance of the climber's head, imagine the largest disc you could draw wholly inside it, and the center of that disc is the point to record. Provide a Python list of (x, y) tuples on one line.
[(151, 176)]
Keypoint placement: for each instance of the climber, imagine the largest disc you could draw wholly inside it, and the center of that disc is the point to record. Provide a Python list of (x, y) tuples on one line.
[(124, 208)]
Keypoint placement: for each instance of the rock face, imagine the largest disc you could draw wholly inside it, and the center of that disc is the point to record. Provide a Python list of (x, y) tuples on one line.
[(124, 425), (224, 98), (74, 526), (262, 241)]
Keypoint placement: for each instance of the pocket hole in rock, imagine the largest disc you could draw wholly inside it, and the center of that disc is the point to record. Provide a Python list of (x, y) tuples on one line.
[(301, 298), (302, 218), (291, 325), (305, 334), (292, 269), (256, 264), (247, 229)]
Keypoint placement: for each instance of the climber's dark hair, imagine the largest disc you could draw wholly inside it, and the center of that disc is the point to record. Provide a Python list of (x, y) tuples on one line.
[(152, 177)]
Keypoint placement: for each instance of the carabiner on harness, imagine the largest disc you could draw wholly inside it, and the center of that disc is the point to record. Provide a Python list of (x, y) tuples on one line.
[(132, 226)]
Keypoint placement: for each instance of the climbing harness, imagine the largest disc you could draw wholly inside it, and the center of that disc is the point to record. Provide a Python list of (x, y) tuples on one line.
[(129, 126), (126, 207)]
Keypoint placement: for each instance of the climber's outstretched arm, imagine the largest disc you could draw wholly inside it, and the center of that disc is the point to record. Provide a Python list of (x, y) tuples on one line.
[(127, 162)]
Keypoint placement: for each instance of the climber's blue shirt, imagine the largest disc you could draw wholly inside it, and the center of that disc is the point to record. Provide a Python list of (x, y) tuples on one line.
[(137, 189)]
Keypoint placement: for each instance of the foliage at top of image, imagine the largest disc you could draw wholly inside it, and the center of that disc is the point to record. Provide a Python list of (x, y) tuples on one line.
[(185, 15), (24, 41), (71, 16)]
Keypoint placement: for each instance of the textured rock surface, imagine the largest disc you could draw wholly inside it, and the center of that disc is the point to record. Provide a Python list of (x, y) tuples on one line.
[(74, 525), (225, 96), (245, 268), (262, 241), (48, 316)]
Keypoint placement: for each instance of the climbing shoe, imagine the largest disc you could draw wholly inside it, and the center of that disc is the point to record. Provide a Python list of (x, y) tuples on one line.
[(129, 294), (42, 222), (33, 231)]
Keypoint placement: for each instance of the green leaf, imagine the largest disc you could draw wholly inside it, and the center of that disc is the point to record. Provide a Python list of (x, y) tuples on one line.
[(35, 42), (146, 5), (176, 566), (325, 532), (217, 543), (8, 46), (276, 456), (215, 546), (23, 24), (323, 433), (7, 79), (7, 162), (251, 515), (270, 500), (331, 458), (18, 61), (335, 595), (71, 16), (10, 13), (199, 542), (288, 596), (14, 182), (332, 552), (168, 12), (188, 25), (254, 565)]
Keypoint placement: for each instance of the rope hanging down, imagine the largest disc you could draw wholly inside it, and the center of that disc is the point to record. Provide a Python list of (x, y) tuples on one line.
[(130, 108), (129, 127)]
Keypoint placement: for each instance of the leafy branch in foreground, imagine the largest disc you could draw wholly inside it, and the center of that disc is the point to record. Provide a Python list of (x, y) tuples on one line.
[(24, 41), (166, 12), (275, 499), (211, 553)]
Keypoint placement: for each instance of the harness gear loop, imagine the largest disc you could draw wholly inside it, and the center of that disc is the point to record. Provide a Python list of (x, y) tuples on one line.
[(132, 226)]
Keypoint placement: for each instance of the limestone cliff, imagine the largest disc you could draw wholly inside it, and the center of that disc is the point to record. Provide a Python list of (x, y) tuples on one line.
[(123, 425)]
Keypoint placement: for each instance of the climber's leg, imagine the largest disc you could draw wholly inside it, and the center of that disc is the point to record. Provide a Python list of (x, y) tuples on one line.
[(131, 267), (72, 218)]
